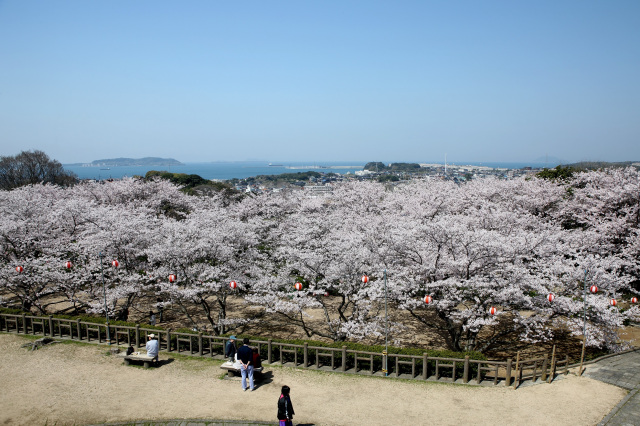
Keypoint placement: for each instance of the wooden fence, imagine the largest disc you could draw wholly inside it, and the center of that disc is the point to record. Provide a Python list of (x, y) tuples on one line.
[(418, 367)]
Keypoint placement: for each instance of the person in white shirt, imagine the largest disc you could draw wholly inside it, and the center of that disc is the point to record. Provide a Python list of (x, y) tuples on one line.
[(152, 347)]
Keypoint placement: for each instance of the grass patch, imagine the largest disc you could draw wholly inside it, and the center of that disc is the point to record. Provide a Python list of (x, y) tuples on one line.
[(208, 360), (76, 342), (25, 336), (348, 375)]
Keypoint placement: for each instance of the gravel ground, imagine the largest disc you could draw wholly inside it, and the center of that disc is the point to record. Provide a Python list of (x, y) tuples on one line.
[(81, 384)]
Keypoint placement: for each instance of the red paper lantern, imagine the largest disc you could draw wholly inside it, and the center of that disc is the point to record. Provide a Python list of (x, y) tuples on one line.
[(68, 265), (550, 297), (172, 278), (493, 310), (115, 263), (634, 300), (233, 285), (427, 299), (365, 279), (298, 286), (593, 289), (613, 302), (19, 269)]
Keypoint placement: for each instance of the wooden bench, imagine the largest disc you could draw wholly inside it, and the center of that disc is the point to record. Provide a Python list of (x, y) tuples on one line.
[(146, 359), (232, 371)]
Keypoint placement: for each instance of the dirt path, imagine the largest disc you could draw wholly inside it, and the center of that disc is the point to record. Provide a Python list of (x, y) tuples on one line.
[(80, 384)]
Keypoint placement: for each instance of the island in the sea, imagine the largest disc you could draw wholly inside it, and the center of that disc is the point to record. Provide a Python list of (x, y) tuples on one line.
[(146, 161)]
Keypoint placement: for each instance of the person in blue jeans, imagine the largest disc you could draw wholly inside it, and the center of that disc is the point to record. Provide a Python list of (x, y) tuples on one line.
[(245, 356)]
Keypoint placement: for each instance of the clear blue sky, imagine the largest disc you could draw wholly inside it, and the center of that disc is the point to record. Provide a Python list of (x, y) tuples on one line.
[(321, 80)]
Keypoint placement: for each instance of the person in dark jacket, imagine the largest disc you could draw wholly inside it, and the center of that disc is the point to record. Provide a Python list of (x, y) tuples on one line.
[(245, 356), (230, 350), (285, 408)]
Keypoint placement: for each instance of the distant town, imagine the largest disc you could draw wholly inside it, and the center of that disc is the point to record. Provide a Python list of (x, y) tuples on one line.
[(322, 179), (393, 173)]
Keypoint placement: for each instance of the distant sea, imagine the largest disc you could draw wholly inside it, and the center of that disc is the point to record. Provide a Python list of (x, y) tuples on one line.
[(244, 169)]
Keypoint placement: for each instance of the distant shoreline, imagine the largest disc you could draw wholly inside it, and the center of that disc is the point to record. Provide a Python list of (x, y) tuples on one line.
[(320, 167)]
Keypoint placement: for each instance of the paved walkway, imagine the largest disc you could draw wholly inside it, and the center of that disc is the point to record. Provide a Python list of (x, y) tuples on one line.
[(623, 371)]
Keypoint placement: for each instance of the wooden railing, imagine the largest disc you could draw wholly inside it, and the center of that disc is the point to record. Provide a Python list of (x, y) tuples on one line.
[(418, 367)]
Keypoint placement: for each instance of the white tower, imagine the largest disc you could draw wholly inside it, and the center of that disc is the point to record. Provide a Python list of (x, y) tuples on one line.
[(445, 164)]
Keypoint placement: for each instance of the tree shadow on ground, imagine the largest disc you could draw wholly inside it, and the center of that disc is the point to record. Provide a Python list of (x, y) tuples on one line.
[(566, 345)]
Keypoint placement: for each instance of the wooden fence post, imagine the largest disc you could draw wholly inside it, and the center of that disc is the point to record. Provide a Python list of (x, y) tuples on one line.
[(584, 344), (515, 380), (425, 366), (51, 325), (200, 343), (545, 364), (344, 358), (269, 349), (306, 354), (138, 337), (79, 329), (507, 375), (552, 371), (24, 324), (168, 340), (465, 377)]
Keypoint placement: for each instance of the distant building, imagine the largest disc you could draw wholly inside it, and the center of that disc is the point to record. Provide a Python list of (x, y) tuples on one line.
[(318, 189)]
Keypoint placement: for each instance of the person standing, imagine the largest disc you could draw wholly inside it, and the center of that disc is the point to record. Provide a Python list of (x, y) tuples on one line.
[(160, 306), (230, 350), (152, 347), (285, 407), (245, 356), (152, 318)]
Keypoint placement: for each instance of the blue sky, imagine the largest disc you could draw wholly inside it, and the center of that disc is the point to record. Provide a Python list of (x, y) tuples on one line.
[(321, 80)]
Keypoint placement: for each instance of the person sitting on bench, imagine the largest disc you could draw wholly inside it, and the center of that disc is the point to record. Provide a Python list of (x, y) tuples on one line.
[(257, 360), (152, 347)]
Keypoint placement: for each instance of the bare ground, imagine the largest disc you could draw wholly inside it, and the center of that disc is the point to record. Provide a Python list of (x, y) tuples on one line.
[(80, 384)]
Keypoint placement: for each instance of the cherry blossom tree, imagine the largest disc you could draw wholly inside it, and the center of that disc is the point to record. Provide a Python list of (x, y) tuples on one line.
[(606, 206), (205, 251), (123, 224), (481, 244), (492, 243), (38, 232), (326, 246)]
